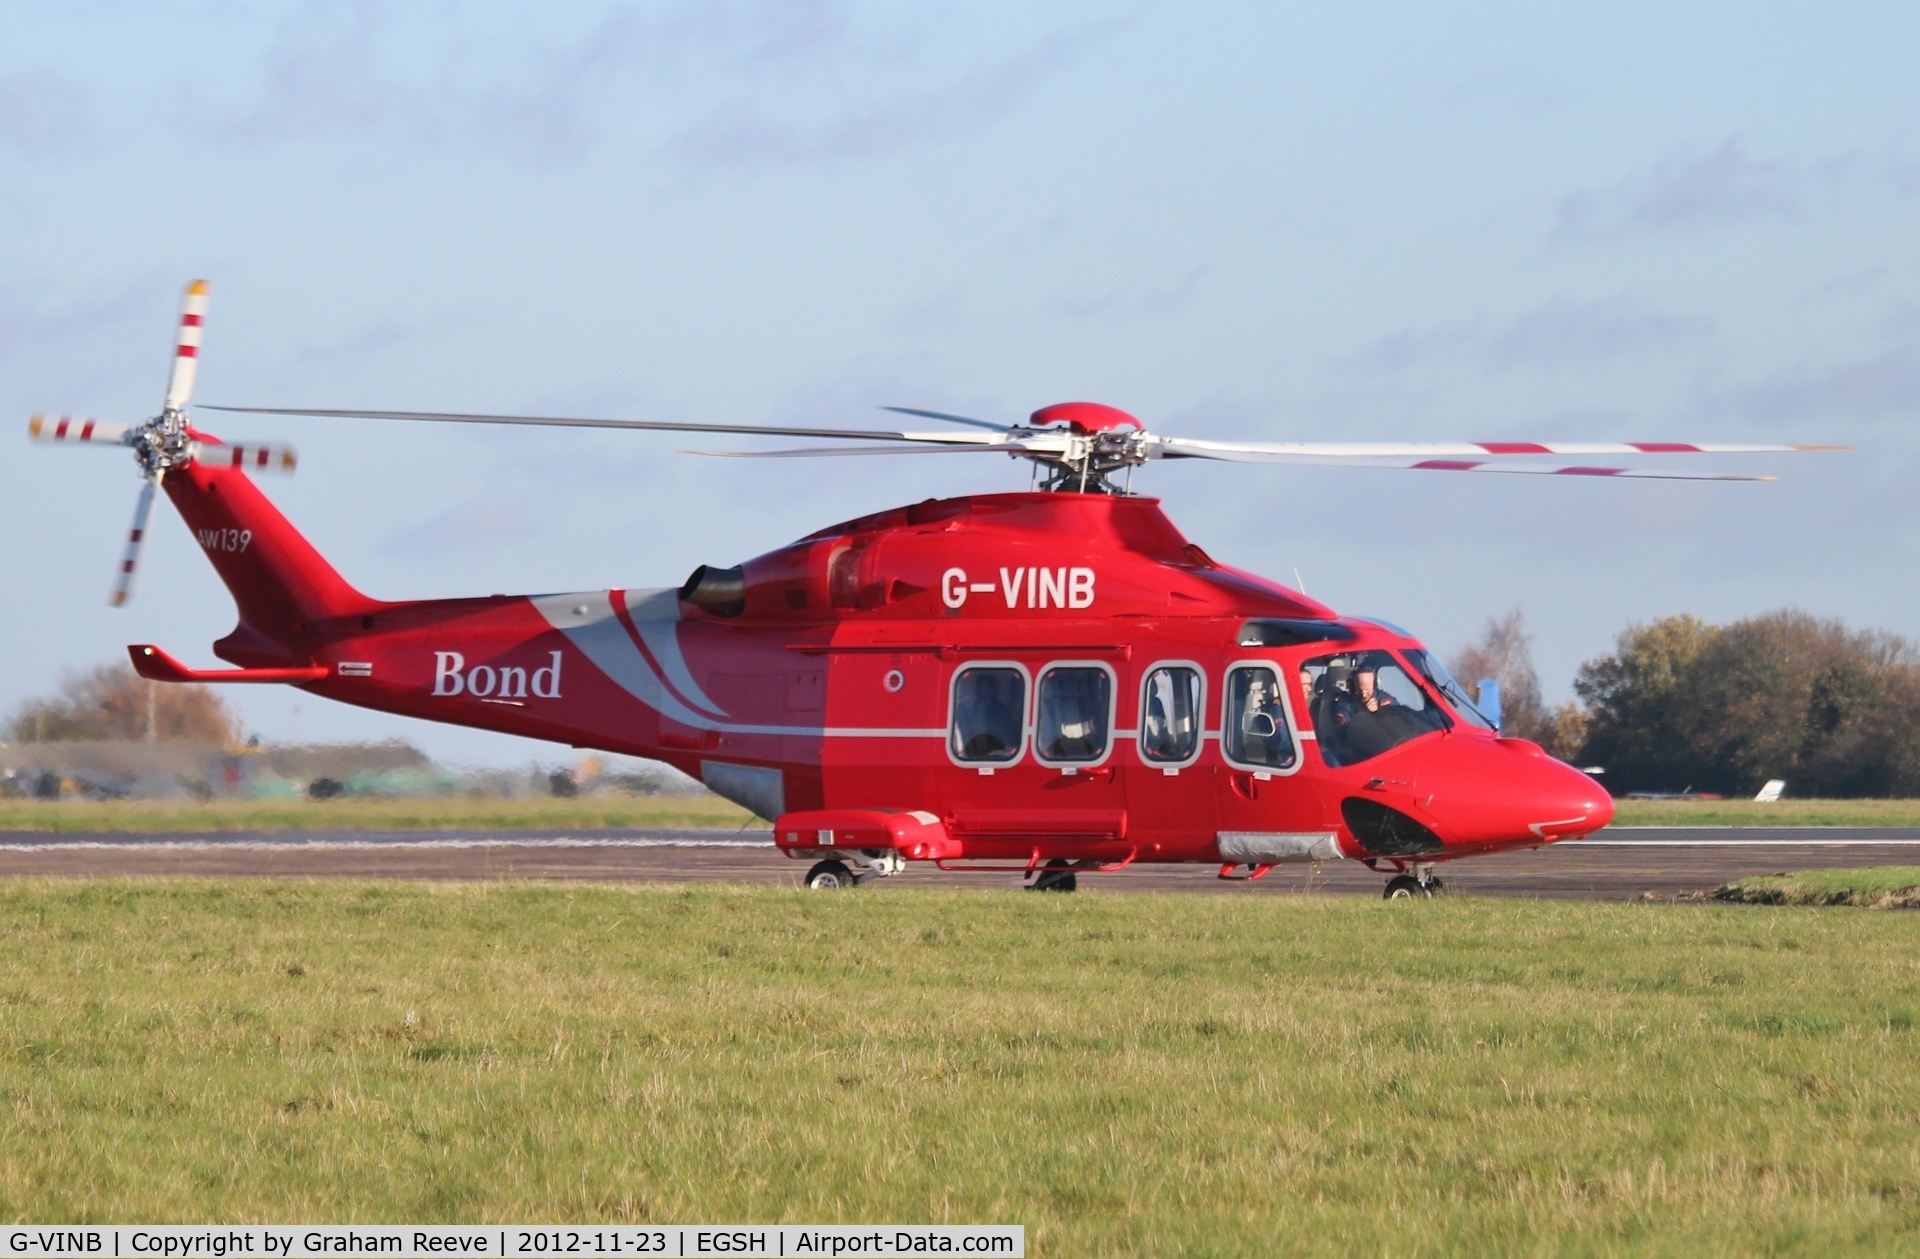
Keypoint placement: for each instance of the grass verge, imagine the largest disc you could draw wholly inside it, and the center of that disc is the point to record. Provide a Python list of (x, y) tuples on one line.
[(1781, 813), (1876, 887), (457, 813), (1148, 1074)]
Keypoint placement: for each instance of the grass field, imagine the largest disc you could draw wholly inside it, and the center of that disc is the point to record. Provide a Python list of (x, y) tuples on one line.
[(1130, 1075), (590, 812), (539, 813), (1876, 887), (1783, 813)]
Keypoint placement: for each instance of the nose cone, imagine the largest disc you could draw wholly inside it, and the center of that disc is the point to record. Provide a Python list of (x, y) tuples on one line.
[(1507, 792)]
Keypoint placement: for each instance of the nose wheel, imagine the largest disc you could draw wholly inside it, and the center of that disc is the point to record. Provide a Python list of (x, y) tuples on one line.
[(1420, 885), (831, 875)]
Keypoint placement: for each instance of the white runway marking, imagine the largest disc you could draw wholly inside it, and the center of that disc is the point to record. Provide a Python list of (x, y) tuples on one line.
[(373, 845)]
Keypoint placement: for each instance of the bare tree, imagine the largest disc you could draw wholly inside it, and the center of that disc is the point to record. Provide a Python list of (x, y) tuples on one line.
[(1505, 654), (112, 702)]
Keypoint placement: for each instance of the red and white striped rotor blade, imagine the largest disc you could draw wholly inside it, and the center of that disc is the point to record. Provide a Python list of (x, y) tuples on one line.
[(64, 428), (186, 350), (1513, 466), (253, 456), (1468, 450), (136, 539)]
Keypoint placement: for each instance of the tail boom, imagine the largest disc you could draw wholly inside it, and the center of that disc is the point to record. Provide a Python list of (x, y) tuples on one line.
[(290, 599)]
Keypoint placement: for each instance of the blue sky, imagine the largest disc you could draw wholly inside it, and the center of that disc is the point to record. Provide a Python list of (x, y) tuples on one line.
[(1256, 221)]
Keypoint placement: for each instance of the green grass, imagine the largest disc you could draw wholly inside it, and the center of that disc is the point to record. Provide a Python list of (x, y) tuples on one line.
[(1878, 887), (1781, 813), (1143, 1074), (541, 813)]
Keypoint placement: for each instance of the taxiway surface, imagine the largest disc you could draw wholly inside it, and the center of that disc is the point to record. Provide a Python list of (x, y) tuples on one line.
[(1618, 864)]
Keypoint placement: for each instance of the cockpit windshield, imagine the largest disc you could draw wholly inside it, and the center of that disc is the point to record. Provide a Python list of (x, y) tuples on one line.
[(1451, 691), (1364, 703)]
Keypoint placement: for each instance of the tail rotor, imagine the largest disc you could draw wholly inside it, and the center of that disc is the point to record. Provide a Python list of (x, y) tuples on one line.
[(165, 441)]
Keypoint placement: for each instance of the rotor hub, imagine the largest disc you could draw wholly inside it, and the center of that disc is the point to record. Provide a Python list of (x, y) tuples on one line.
[(161, 442)]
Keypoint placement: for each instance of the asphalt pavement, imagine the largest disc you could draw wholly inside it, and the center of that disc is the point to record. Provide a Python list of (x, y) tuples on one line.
[(1628, 863)]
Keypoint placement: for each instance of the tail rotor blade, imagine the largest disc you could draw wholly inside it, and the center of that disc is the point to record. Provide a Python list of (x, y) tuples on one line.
[(253, 456), (186, 350), (64, 428), (136, 539)]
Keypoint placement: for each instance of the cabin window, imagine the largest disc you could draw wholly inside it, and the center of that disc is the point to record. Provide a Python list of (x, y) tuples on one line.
[(1364, 703), (1255, 732), (1170, 708), (989, 713), (1076, 714)]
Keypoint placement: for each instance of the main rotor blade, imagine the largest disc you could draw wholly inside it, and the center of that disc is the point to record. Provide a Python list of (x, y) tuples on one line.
[(664, 426), (1458, 465), (65, 428), (820, 452), (254, 456), (952, 419), (1472, 450), (186, 349), (136, 539)]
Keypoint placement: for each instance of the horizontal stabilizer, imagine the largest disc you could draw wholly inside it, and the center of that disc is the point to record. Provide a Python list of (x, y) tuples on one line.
[(158, 665)]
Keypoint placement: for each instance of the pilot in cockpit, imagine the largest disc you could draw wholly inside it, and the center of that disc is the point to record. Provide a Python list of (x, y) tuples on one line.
[(1367, 692), (1375, 720), (1330, 707)]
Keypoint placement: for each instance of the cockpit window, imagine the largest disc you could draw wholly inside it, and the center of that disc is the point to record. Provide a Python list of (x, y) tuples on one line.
[(1364, 703), (1450, 690)]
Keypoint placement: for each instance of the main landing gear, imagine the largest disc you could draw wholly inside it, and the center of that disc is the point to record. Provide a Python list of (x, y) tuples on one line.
[(1055, 876), (1420, 884), (832, 875)]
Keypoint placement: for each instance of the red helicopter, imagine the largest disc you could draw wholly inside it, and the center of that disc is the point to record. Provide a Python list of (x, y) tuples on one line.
[(1053, 682)]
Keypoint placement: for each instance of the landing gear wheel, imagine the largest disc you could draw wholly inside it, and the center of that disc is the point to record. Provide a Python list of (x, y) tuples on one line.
[(829, 876), (1057, 877), (1405, 888)]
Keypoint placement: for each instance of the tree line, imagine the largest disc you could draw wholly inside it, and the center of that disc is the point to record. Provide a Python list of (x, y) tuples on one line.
[(113, 702), (1681, 704)]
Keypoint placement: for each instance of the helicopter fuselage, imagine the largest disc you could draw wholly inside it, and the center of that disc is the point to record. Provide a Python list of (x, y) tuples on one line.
[(1015, 678)]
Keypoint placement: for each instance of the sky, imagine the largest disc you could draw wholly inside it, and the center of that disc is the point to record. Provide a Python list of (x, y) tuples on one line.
[(1261, 221)]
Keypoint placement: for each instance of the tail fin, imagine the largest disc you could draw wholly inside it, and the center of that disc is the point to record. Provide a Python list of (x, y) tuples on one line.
[(285, 591)]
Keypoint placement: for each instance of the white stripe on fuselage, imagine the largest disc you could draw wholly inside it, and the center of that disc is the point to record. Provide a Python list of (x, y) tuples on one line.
[(656, 614), (601, 638)]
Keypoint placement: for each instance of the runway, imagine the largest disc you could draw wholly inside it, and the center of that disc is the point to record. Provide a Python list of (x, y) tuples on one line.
[(1617, 864)]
